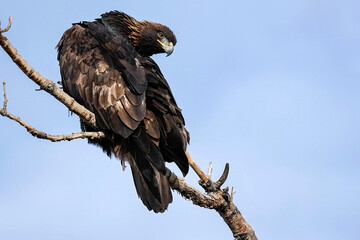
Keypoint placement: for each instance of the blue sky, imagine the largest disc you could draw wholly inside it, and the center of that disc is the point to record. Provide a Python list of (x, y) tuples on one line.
[(272, 87)]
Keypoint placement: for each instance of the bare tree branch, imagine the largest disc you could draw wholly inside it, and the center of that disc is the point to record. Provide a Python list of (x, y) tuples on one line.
[(210, 169), (223, 177), (217, 199), (44, 83), (220, 201), (197, 169), (232, 194), (5, 97), (42, 135), (8, 26)]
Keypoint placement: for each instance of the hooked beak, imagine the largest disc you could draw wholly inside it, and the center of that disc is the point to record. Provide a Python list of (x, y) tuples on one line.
[(166, 45)]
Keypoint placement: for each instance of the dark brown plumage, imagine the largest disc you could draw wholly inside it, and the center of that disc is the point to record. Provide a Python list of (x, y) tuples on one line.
[(106, 66)]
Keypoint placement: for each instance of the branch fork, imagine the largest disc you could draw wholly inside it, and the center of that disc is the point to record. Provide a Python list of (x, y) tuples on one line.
[(8, 26)]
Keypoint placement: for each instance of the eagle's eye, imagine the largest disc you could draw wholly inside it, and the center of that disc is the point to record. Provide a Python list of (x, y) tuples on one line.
[(160, 35)]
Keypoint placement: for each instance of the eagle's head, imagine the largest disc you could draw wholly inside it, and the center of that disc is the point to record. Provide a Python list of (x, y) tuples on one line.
[(153, 38), (146, 37)]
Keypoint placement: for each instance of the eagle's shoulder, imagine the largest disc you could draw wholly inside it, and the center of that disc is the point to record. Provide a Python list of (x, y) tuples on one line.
[(96, 77)]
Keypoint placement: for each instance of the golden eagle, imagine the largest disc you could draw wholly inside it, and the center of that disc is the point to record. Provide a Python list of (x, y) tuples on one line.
[(105, 65)]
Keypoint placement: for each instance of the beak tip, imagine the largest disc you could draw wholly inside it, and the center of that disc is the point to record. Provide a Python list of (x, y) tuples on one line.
[(167, 46), (169, 50)]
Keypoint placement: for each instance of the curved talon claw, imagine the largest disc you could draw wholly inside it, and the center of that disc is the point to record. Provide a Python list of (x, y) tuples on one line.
[(8, 26)]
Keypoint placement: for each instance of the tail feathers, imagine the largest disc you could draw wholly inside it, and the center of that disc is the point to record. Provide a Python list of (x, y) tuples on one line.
[(146, 147), (148, 169), (146, 193)]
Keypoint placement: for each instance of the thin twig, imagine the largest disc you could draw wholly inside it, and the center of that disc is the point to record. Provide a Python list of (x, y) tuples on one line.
[(8, 26), (232, 194), (210, 169), (223, 177), (54, 138), (196, 168), (5, 97), (42, 135)]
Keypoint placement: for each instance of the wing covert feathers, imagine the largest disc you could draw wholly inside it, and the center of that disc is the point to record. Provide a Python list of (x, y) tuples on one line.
[(91, 76)]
